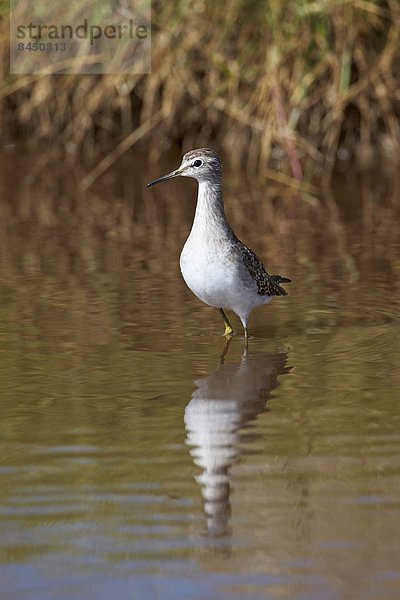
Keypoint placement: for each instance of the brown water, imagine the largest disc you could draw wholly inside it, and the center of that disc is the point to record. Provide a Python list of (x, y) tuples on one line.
[(137, 464)]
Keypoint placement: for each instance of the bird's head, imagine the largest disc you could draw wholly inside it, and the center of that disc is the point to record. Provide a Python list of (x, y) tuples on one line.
[(202, 164)]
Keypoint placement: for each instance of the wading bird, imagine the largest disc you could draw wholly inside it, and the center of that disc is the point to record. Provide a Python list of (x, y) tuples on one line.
[(216, 266)]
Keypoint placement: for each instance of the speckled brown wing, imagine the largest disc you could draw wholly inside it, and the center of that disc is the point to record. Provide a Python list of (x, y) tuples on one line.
[(268, 285)]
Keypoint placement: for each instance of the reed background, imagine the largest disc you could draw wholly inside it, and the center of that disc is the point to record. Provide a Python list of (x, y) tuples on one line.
[(284, 90), (286, 86)]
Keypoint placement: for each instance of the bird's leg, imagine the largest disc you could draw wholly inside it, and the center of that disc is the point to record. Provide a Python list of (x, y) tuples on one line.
[(228, 327), (246, 338)]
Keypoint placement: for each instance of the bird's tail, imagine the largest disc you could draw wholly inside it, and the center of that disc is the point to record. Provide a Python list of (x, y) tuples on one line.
[(280, 279)]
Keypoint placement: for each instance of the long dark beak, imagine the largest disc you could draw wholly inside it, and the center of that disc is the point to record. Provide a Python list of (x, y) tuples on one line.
[(165, 177)]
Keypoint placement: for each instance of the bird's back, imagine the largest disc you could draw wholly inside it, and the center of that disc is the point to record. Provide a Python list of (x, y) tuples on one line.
[(267, 285)]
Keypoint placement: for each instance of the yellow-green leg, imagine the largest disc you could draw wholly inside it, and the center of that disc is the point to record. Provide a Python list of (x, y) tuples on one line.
[(228, 327)]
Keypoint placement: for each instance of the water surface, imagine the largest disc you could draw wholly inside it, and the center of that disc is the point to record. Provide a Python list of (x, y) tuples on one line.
[(136, 460)]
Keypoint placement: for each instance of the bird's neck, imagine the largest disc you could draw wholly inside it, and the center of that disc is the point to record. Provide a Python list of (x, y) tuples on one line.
[(210, 216)]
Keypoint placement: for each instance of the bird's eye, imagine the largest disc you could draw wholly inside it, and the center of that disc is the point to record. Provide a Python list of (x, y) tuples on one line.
[(197, 163)]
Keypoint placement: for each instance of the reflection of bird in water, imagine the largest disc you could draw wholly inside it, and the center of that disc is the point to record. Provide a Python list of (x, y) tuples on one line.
[(220, 406)]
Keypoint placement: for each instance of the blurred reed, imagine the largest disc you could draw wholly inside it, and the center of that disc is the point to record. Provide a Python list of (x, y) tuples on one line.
[(279, 84)]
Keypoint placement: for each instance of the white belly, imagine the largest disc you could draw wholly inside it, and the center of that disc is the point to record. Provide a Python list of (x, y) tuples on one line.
[(219, 280)]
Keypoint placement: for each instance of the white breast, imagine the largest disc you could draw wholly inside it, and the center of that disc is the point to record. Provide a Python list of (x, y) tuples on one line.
[(206, 275), (210, 263), (218, 279)]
